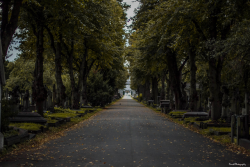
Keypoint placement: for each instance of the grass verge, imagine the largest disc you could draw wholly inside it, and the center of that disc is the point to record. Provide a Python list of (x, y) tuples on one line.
[(53, 133), (224, 140)]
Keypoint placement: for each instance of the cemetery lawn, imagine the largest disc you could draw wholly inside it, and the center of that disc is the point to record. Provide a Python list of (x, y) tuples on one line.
[(208, 133), (27, 126), (61, 115), (10, 133), (52, 132)]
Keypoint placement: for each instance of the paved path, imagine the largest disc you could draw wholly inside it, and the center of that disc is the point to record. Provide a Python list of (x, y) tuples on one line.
[(129, 134)]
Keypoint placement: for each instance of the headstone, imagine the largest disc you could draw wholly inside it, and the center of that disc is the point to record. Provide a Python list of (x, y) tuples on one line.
[(165, 104), (26, 102)]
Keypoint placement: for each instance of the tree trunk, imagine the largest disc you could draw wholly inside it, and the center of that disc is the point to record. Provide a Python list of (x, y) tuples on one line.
[(174, 76), (155, 89), (163, 78), (60, 87), (147, 90), (75, 92), (39, 91), (168, 89), (8, 27), (193, 92), (84, 91), (214, 88), (84, 75)]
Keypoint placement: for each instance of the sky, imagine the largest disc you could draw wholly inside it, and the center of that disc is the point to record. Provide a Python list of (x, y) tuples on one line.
[(130, 13)]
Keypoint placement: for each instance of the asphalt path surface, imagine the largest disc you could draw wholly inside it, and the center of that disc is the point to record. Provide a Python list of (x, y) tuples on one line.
[(127, 134)]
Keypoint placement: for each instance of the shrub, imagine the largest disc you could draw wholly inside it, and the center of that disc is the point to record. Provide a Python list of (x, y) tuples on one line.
[(99, 92), (7, 111)]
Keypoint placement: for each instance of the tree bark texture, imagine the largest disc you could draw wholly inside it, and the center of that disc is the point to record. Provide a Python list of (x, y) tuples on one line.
[(193, 92), (147, 90), (163, 78), (75, 91), (61, 96), (215, 65), (39, 91), (168, 89), (214, 88), (9, 26), (174, 76), (155, 89), (84, 75)]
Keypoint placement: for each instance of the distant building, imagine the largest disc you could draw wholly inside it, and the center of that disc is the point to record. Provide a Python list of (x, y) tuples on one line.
[(127, 89)]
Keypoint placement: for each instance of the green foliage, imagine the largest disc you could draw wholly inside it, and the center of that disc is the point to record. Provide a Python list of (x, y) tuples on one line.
[(21, 74), (99, 92), (61, 115), (28, 126), (140, 97), (10, 133), (49, 120), (7, 111), (61, 110)]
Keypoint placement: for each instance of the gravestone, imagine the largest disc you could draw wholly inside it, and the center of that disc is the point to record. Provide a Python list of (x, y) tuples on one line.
[(26, 102), (165, 104)]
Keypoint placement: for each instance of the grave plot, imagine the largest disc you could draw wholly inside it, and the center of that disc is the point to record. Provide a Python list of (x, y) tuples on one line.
[(30, 127), (177, 113), (28, 117)]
